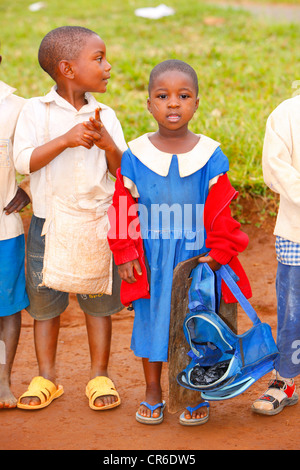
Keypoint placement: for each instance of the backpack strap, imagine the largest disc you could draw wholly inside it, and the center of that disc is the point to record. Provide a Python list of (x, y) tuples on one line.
[(224, 272)]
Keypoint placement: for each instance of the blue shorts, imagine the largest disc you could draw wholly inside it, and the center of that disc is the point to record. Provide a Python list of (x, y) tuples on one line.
[(46, 303), (13, 297)]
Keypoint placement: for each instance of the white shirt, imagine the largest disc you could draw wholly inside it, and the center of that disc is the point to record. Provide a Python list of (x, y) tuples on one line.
[(10, 106), (281, 165), (79, 175)]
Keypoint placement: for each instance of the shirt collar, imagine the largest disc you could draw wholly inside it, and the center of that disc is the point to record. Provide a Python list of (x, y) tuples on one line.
[(159, 162), (5, 91), (91, 105)]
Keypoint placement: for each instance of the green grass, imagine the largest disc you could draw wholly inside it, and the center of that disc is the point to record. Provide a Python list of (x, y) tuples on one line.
[(246, 66)]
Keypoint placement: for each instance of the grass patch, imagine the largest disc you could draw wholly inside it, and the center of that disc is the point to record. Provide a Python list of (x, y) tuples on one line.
[(246, 66)]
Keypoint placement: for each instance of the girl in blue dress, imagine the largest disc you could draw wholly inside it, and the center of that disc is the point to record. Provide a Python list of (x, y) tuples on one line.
[(170, 171)]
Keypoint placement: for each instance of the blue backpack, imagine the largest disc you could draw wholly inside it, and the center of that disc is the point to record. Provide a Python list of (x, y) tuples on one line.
[(223, 364)]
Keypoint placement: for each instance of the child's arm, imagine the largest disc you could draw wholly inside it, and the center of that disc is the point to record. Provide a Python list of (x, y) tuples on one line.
[(280, 172), (103, 140), (75, 137)]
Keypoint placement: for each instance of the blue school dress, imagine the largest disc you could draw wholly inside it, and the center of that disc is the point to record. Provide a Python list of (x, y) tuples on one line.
[(171, 191)]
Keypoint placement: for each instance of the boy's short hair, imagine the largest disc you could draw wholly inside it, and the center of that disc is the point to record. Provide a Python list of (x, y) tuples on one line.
[(173, 64), (63, 43)]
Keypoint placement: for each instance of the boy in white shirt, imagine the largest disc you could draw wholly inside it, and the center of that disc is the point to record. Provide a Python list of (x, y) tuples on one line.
[(281, 170), (13, 297), (70, 156)]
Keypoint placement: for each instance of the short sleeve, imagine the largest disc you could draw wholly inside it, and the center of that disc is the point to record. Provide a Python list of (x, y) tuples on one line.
[(26, 139), (218, 164), (127, 167)]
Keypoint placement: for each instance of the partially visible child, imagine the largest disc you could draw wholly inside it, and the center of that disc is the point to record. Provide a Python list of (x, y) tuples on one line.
[(281, 171), (170, 172), (13, 297), (64, 137)]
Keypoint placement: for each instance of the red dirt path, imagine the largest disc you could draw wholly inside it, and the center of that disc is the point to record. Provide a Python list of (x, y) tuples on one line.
[(69, 424)]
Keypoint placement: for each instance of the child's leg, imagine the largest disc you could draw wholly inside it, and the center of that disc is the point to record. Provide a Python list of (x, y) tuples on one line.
[(288, 320), (45, 339), (152, 372), (13, 299), (282, 391), (10, 327), (99, 336), (45, 307), (98, 310)]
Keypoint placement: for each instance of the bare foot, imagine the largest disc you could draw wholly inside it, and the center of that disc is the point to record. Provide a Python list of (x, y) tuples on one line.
[(7, 399)]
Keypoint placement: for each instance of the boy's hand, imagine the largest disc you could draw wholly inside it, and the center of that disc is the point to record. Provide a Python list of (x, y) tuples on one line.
[(78, 136), (213, 264), (96, 131), (126, 272), (20, 200)]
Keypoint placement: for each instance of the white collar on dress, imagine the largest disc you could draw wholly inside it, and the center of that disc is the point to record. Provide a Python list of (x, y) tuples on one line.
[(5, 91), (91, 105), (159, 162)]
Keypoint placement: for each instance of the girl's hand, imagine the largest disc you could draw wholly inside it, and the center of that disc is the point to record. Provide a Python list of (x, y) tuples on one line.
[(126, 271), (213, 264)]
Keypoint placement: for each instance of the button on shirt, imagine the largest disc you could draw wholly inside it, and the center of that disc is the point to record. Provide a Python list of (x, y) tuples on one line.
[(10, 106), (79, 176)]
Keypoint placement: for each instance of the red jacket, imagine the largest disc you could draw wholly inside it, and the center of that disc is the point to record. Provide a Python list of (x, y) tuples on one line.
[(224, 237), (127, 246)]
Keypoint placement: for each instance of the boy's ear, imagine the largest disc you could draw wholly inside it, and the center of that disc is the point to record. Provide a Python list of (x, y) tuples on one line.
[(149, 105), (65, 69)]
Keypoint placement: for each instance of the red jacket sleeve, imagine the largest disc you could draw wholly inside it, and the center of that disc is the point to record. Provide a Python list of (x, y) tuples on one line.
[(123, 246), (224, 235), (125, 241)]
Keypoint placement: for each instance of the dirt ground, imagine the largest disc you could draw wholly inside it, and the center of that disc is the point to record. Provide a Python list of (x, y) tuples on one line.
[(69, 424)]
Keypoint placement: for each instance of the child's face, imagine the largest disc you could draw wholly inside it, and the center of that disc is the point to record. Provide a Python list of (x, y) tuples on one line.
[(173, 100), (91, 69)]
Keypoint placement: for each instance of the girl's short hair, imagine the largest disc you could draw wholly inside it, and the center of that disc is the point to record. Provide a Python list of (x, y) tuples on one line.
[(169, 65)]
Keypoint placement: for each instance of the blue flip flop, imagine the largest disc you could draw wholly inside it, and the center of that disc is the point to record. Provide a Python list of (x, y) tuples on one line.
[(151, 420), (195, 421)]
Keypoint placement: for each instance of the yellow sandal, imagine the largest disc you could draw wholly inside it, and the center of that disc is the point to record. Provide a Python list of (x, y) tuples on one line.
[(99, 387), (42, 388)]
